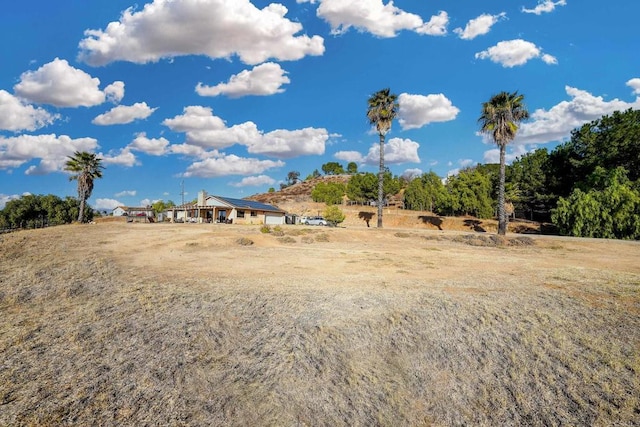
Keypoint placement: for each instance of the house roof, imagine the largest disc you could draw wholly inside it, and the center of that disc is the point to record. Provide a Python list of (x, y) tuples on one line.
[(234, 203), (134, 208), (248, 204)]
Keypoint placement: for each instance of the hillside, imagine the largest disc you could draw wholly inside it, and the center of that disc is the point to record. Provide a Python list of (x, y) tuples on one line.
[(298, 193), (296, 199), (131, 324)]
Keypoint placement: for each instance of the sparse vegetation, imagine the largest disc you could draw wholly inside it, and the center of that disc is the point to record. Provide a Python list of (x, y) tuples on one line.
[(322, 237), (364, 331), (334, 215), (244, 241), (287, 240), (265, 229)]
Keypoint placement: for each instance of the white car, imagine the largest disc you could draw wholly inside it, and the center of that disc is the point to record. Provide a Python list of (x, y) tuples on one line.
[(314, 220)]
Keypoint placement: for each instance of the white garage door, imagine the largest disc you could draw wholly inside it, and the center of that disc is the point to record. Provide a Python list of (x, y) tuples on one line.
[(273, 219)]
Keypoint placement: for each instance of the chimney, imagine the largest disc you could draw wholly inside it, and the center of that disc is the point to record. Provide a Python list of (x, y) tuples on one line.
[(202, 197)]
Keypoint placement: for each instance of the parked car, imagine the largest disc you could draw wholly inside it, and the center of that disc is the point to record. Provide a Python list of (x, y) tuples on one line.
[(315, 220)]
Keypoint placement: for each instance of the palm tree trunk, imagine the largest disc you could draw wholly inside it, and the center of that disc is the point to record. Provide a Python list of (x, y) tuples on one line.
[(381, 181), (502, 213), (81, 210)]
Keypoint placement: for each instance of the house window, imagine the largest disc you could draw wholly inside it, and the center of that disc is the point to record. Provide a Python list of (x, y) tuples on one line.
[(240, 214), (254, 213)]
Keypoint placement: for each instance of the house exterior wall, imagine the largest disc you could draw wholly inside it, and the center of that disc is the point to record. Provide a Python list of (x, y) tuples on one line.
[(212, 208), (119, 211)]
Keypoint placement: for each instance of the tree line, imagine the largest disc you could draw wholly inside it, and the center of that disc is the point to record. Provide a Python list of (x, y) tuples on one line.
[(588, 186), (32, 211)]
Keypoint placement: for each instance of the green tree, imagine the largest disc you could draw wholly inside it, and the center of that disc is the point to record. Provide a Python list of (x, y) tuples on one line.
[(313, 175), (330, 193), (86, 167), (33, 211), (529, 177), (499, 118), (468, 193), (293, 177), (332, 168), (363, 187), (352, 168), (610, 209), (425, 192), (609, 142), (160, 206), (334, 215), (271, 190), (382, 109)]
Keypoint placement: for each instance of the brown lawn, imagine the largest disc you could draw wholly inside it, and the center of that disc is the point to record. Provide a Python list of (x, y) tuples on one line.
[(215, 325)]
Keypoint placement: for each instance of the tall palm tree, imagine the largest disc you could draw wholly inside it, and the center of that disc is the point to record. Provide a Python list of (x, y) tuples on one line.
[(500, 118), (382, 109), (86, 167)]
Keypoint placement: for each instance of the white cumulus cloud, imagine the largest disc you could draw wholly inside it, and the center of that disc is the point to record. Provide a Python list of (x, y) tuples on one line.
[(15, 115), (375, 17), (556, 123), (479, 26), (264, 79), (215, 28), (123, 157), (52, 151), (437, 25), (153, 146), (286, 144), (123, 114), (254, 181), (411, 174), (114, 92), (195, 118), (545, 6), (419, 110), (514, 52), (126, 193), (635, 85), (396, 151), (58, 83), (207, 131), (513, 152), (349, 156), (229, 165)]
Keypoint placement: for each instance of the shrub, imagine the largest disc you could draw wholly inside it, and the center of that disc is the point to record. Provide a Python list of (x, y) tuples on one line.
[(334, 215), (287, 240), (265, 229), (244, 241)]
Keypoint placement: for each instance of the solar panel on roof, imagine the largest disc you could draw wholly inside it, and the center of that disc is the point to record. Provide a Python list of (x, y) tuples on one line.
[(248, 204)]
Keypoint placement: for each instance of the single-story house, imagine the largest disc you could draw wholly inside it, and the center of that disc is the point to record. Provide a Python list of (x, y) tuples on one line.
[(226, 210), (133, 211)]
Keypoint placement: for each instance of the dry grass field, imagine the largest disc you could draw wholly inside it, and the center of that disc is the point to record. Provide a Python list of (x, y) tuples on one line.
[(117, 324)]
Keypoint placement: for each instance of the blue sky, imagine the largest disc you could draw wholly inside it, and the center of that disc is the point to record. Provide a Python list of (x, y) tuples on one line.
[(230, 95)]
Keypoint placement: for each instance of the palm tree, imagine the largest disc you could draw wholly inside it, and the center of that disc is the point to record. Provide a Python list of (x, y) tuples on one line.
[(500, 118), (382, 109), (85, 167)]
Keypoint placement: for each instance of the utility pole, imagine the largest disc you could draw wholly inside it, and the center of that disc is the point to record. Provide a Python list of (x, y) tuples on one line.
[(184, 208)]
